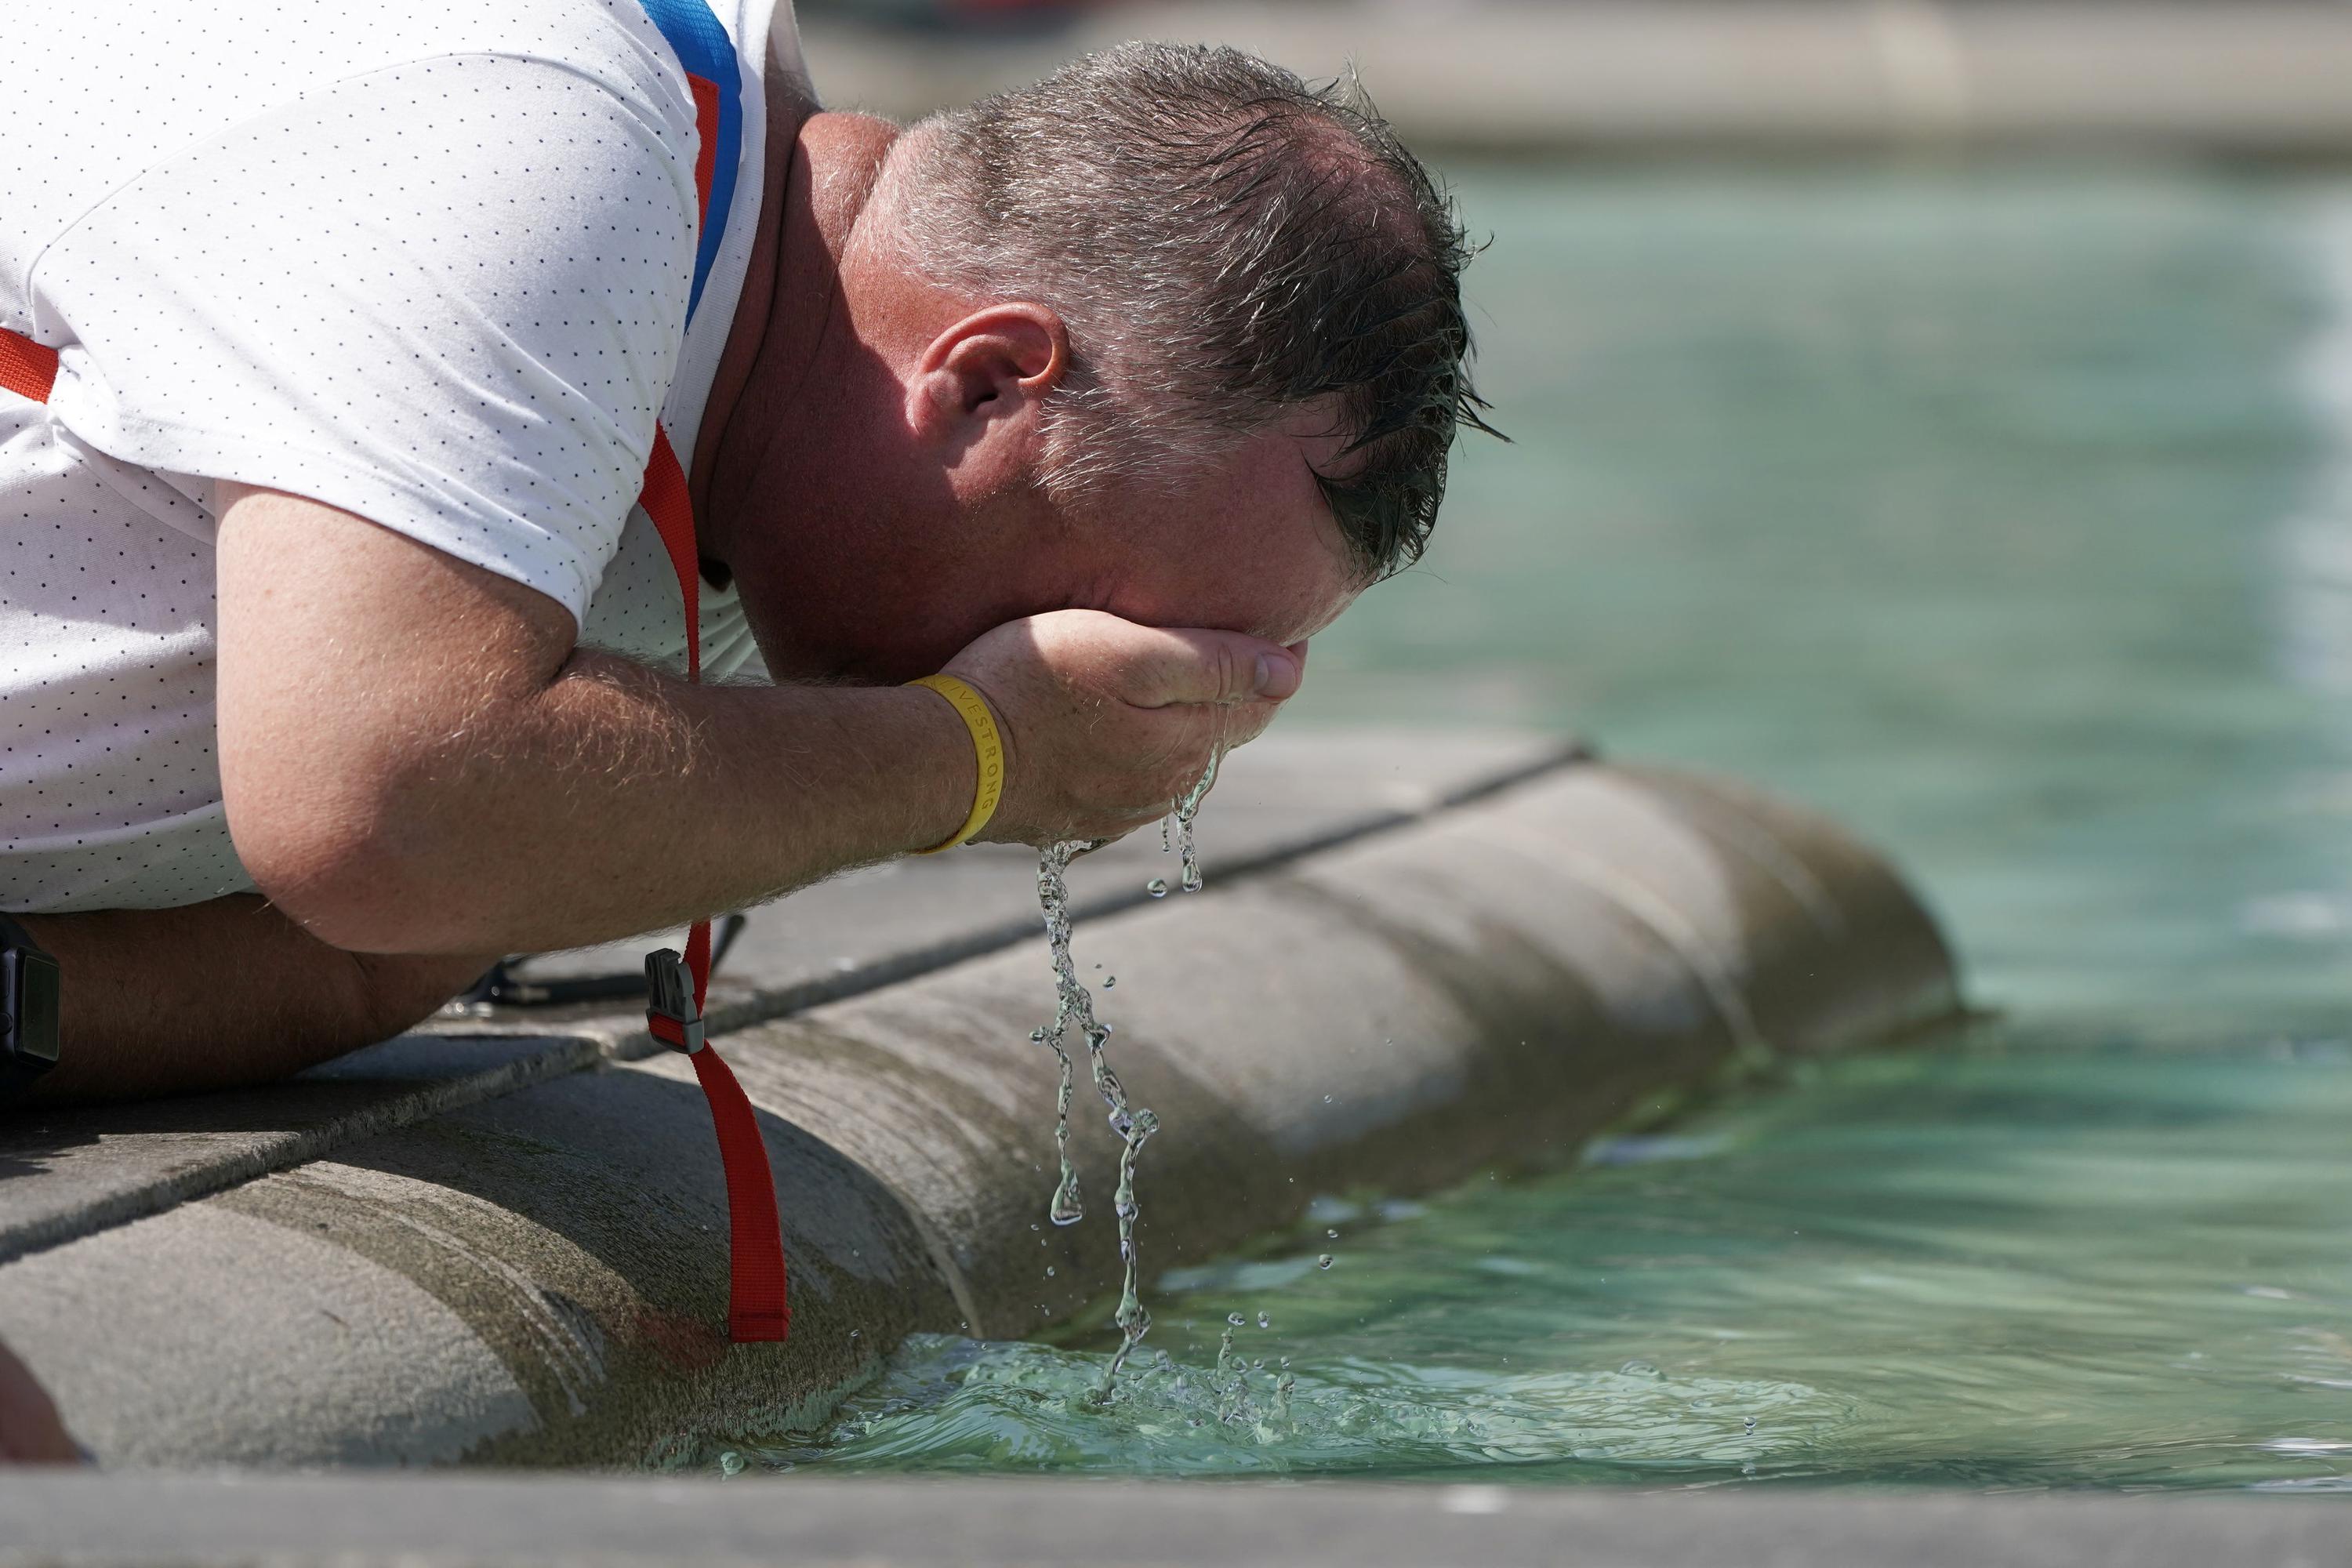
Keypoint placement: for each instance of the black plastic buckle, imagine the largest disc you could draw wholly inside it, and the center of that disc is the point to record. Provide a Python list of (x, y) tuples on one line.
[(669, 997)]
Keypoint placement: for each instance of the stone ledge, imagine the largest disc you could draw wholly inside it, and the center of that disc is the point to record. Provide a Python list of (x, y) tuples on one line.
[(538, 1277)]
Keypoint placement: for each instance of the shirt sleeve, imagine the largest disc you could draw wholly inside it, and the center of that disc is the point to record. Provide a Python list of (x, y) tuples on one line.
[(447, 297)]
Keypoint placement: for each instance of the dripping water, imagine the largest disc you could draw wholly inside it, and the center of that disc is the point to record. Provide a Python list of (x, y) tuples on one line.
[(1073, 1006), (1188, 855), (1073, 1010)]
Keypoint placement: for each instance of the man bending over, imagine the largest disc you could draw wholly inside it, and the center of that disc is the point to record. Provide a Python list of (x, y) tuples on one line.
[(336, 656)]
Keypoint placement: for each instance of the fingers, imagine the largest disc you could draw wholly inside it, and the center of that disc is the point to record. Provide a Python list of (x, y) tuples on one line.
[(1223, 725), (1163, 667)]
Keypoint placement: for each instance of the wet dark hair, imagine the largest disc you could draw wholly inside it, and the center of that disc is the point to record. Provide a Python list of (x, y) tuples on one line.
[(1230, 245)]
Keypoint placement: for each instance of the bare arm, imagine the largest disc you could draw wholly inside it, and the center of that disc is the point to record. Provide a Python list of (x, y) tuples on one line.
[(219, 993), (416, 759)]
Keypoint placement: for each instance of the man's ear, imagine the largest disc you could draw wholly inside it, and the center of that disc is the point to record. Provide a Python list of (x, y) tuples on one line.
[(994, 365)]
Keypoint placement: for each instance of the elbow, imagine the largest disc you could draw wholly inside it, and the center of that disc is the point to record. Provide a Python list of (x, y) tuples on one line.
[(344, 871)]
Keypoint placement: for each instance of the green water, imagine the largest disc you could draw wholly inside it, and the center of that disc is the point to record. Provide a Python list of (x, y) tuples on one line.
[(2007, 515)]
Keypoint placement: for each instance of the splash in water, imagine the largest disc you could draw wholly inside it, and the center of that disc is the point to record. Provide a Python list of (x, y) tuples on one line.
[(948, 1404)]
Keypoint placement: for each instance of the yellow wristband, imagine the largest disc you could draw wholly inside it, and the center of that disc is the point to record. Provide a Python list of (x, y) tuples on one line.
[(988, 750)]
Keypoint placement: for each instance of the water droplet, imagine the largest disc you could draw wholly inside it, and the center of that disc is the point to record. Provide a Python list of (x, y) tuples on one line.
[(1157, 887), (1236, 1319), (731, 1463), (853, 1332), (1639, 1369), (1049, 1271), (1109, 980), (1324, 1262), (1067, 1209), (1036, 1036), (1264, 1320), (1332, 1234), (1751, 1424)]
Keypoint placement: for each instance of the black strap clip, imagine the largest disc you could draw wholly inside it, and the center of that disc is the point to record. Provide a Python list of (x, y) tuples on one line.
[(669, 1001)]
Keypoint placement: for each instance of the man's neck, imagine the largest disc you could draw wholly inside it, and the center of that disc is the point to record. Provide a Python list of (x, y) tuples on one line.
[(820, 170)]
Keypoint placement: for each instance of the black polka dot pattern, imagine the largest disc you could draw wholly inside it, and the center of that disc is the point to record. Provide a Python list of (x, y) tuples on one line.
[(428, 265)]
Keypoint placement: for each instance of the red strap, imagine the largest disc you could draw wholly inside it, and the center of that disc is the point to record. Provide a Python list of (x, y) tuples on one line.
[(706, 126), (666, 500), (757, 1306), (27, 368), (698, 963)]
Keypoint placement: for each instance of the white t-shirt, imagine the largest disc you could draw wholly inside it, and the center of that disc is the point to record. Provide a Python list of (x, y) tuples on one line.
[(427, 263)]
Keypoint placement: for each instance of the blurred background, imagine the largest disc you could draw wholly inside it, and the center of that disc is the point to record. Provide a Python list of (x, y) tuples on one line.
[(1936, 411)]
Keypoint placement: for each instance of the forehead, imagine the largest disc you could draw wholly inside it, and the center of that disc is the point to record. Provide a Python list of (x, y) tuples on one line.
[(1248, 544)]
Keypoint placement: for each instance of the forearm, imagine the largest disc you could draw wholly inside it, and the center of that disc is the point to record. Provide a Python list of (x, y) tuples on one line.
[(613, 801), (415, 759), (219, 993)]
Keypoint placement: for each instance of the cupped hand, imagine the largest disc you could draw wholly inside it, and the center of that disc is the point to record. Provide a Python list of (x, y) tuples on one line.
[(1107, 723)]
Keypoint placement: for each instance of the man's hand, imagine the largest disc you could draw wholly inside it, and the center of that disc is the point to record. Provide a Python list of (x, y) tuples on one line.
[(1108, 723)]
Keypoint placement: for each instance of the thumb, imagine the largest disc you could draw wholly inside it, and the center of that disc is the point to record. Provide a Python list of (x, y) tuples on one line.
[(1186, 666)]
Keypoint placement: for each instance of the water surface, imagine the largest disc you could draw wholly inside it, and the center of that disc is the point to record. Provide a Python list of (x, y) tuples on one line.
[(2038, 1267)]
